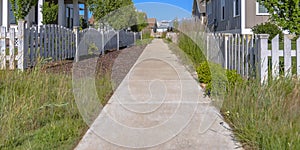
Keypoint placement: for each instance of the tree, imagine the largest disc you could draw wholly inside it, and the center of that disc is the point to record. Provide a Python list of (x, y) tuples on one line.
[(50, 13), (21, 8), (286, 13), (141, 22), (117, 13)]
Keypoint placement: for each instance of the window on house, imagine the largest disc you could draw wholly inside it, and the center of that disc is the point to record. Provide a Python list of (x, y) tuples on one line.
[(236, 8), (222, 9), (261, 9)]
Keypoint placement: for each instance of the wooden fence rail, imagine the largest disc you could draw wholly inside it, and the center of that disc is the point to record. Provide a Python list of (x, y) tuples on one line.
[(54, 42)]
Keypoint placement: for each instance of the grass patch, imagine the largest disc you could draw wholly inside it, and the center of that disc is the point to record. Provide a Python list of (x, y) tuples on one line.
[(38, 110), (265, 117), (143, 42)]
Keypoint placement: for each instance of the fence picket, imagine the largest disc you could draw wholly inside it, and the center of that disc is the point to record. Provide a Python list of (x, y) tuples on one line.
[(41, 43), (36, 42), (247, 57), (239, 54), (287, 56), (3, 48), (12, 48), (31, 41), (298, 57), (275, 56)]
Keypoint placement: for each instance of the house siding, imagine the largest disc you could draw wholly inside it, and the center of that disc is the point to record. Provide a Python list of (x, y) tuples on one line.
[(251, 18), (229, 23)]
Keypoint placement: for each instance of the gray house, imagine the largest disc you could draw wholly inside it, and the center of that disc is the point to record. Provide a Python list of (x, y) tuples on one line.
[(199, 11), (234, 16)]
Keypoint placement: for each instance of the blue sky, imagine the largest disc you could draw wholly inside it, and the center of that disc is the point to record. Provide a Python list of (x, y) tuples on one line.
[(165, 9)]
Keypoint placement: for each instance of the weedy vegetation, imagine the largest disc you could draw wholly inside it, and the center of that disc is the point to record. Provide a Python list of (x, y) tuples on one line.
[(262, 116)]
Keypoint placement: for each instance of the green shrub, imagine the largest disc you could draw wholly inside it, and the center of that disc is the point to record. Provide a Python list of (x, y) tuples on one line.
[(233, 78), (219, 81), (216, 81), (191, 49), (146, 34), (50, 13), (268, 28)]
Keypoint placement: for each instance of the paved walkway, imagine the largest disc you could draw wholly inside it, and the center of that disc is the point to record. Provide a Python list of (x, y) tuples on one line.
[(158, 106)]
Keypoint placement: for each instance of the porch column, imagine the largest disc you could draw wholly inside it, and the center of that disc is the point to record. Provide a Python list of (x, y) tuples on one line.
[(40, 15), (5, 14), (86, 17), (1, 13), (61, 12), (30, 17), (75, 13)]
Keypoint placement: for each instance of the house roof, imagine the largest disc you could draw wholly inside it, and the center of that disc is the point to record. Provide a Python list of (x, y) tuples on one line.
[(92, 20), (200, 5), (151, 20)]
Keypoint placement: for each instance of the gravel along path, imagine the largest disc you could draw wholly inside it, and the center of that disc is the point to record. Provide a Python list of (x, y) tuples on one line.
[(124, 62)]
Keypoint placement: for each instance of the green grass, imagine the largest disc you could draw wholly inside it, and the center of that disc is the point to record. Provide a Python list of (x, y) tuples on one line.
[(38, 110), (265, 117), (143, 42)]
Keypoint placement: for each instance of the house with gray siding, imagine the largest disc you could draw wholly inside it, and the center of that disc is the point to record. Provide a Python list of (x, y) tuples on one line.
[(199, 11), (235, 16), (68, 13)]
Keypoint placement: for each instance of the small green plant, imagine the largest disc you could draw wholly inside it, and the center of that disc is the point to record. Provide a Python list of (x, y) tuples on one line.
[(214, 76), (164, 35), (268, 28)]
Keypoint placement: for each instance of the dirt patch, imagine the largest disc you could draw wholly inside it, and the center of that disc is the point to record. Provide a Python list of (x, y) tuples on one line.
[(116, 63)]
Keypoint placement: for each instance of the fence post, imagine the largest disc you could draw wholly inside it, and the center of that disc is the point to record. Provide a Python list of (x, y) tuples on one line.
[(118, 40), (141, 33), (103, 43), (298, 57), (262, 62), (21, 45), (275, 56), (134, 38), (3, 48), (12, 48), (76, 32)]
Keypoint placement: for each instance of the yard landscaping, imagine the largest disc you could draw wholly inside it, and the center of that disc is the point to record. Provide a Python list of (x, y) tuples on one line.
[(261, 116), (37, 107)]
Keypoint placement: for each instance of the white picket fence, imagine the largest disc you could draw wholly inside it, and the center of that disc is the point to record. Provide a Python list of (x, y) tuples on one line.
[(249, 55), (54, 42)]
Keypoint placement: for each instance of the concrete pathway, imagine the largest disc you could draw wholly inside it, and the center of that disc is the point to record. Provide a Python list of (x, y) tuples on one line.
[(158, 105)]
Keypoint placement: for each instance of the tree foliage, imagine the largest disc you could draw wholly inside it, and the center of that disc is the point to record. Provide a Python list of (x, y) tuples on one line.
[(50, 13), (119, 14), (141, 22), (21, 8), (286, 13), (268, 28)]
